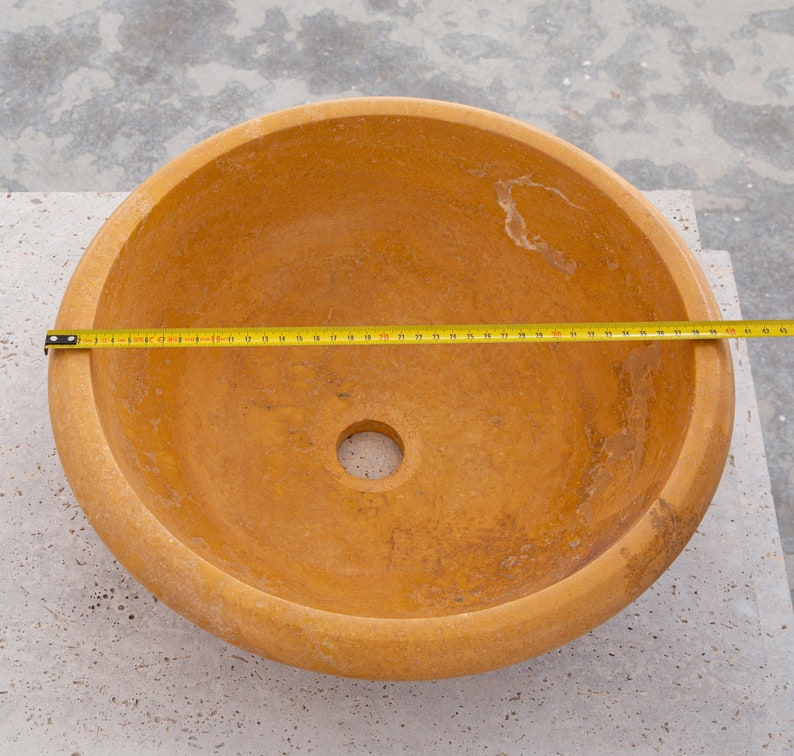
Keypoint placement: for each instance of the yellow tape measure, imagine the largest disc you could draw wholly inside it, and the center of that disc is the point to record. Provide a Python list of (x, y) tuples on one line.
[(498, 333)]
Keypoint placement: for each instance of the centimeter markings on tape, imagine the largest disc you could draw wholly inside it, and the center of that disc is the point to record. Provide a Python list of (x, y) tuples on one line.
[(499, 333)]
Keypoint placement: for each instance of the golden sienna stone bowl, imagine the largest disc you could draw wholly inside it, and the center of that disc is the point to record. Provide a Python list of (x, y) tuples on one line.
[(542, 488)]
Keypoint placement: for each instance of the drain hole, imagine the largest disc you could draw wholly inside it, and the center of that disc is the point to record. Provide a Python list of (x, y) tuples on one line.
[(370, 450)]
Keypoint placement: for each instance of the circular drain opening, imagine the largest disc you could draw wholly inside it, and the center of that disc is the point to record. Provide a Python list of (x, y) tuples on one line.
[(370, 450)]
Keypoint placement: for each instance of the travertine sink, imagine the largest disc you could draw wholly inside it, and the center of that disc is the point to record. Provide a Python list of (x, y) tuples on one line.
[(542, 487)]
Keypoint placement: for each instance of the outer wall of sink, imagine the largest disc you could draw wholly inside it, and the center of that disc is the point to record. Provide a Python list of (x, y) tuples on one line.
[(543, 487)]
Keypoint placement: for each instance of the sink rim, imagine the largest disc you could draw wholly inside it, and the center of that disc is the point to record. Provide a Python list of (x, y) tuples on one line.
[(373, 647)]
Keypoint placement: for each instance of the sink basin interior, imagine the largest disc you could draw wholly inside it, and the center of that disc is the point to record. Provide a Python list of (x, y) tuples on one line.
[(521, 464)]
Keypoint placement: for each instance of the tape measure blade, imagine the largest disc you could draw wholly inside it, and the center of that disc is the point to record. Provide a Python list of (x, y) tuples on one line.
[(370, 335)]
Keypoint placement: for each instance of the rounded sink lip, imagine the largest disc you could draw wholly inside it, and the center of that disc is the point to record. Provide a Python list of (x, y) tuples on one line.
[(245, 615)]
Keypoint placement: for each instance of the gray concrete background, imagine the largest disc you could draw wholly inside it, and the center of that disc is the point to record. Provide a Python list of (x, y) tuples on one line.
[(96, 94)]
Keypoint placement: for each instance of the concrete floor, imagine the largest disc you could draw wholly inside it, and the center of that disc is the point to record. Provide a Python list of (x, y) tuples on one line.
[(96, 94), (91, 664)]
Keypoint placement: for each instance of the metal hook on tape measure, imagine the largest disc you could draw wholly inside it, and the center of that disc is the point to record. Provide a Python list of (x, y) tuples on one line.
[(60, 340)]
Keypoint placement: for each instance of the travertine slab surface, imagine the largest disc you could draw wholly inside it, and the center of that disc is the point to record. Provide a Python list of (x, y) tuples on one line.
[(701, 663)]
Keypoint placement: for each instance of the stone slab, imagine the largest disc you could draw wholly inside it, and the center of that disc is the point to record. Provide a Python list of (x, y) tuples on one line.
[(90, 662)]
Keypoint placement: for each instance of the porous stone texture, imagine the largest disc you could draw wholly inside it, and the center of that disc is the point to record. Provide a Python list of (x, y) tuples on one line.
[(90, 662)]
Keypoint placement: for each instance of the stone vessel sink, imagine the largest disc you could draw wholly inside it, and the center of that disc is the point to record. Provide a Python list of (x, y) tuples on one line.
[(542, 487)]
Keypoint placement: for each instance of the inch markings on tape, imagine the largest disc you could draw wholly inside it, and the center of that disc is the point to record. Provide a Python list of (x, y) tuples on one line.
[(494, 333)]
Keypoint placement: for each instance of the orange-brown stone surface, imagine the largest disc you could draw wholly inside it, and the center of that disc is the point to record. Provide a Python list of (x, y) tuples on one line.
[(542, 487)]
